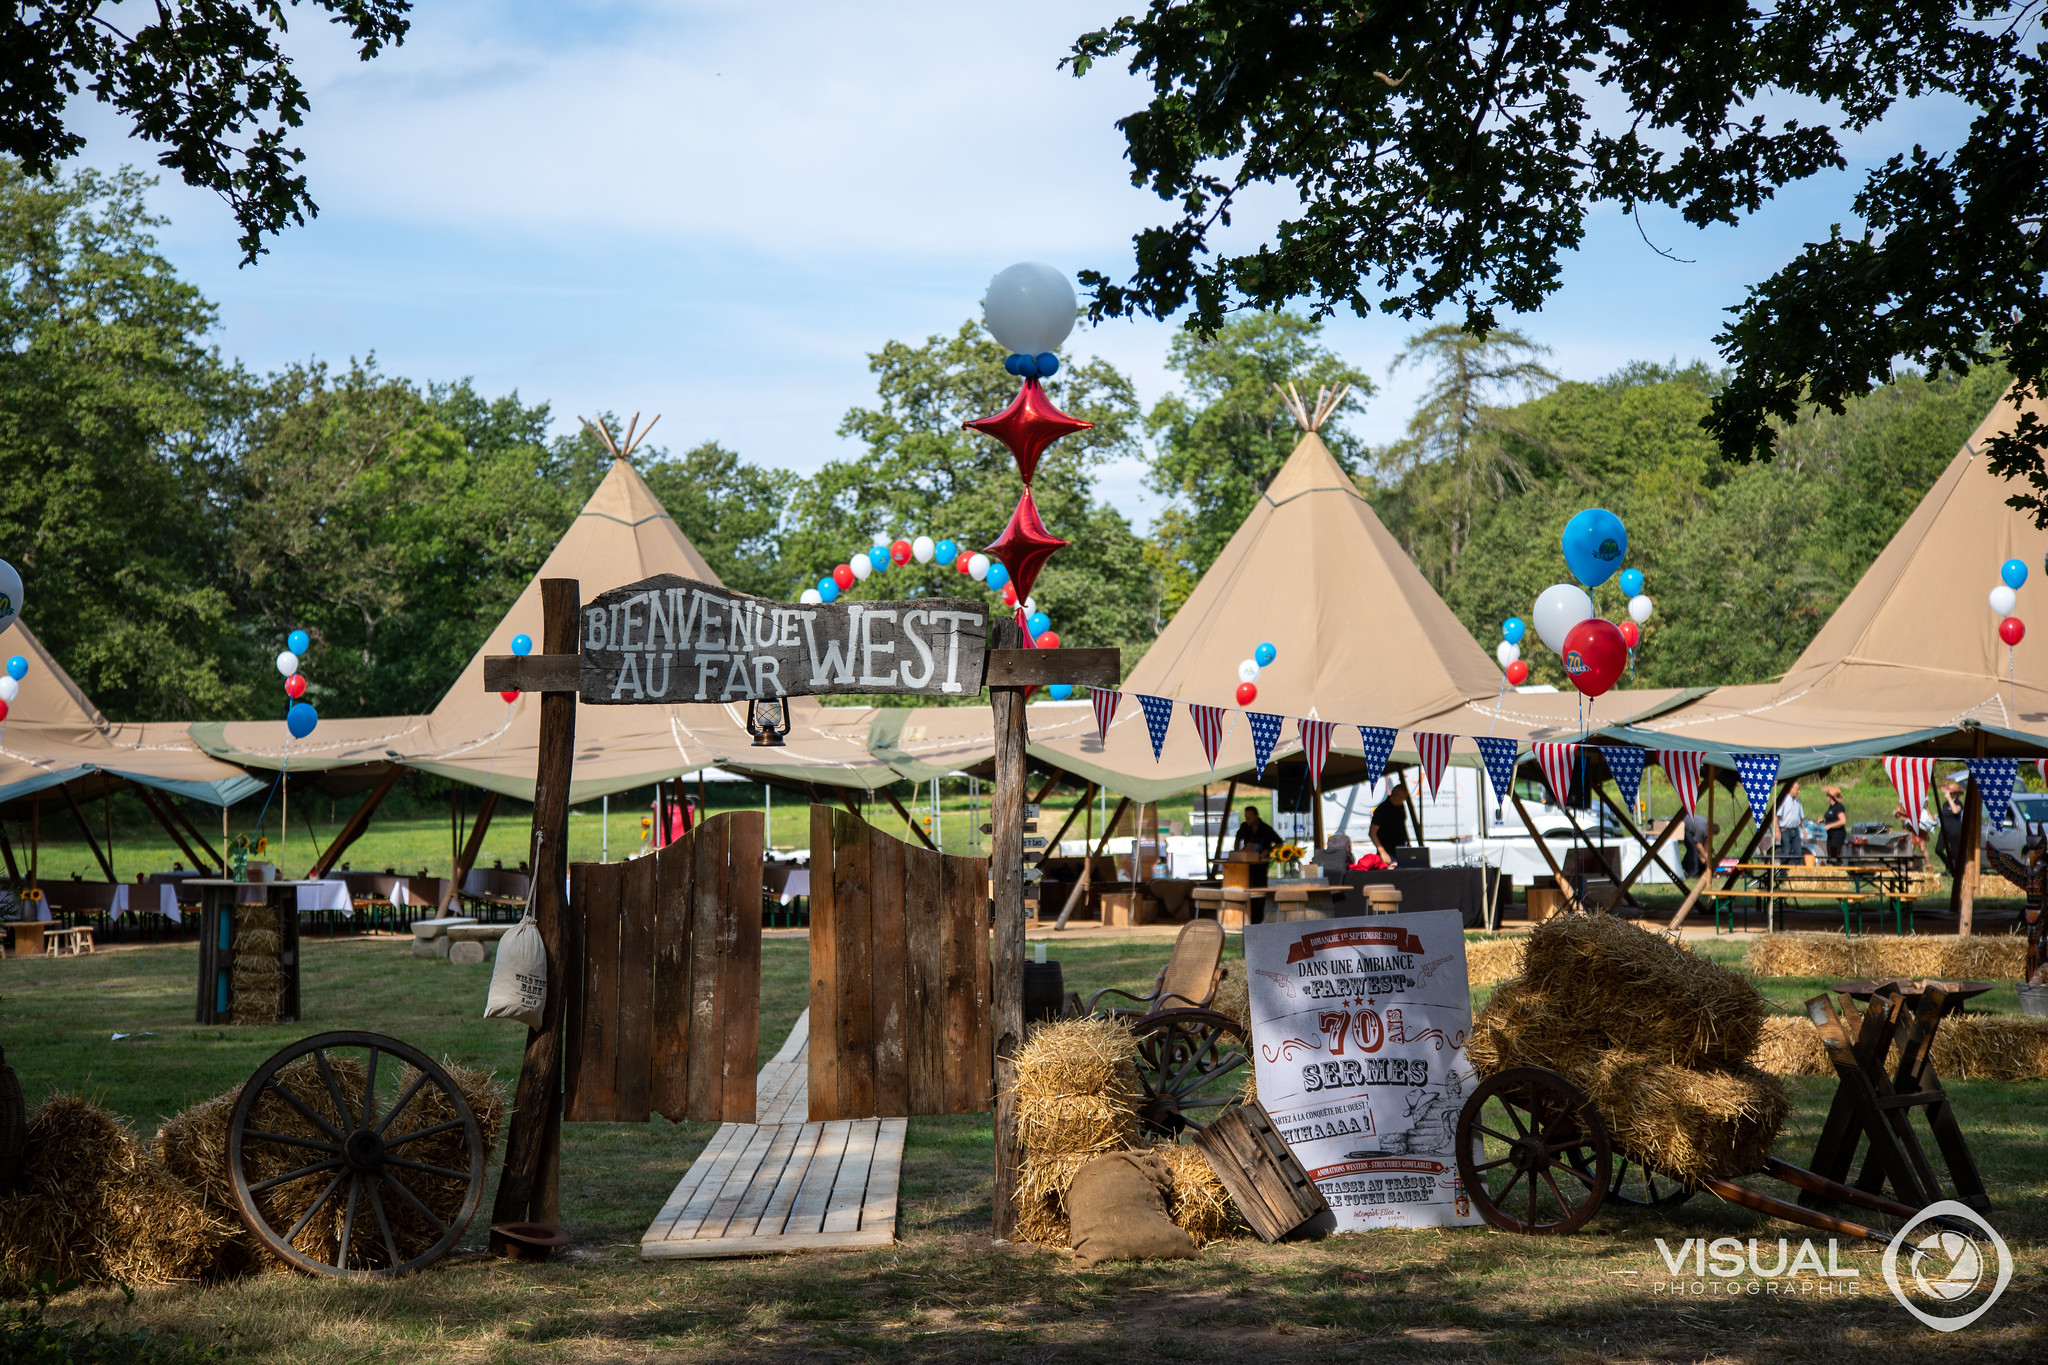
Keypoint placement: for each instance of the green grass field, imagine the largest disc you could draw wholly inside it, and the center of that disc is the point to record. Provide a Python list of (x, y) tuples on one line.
[(943, 1292)]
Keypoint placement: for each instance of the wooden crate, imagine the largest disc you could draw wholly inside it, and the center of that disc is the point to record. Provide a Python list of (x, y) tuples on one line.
[(1265, 1180), (1544, 901)]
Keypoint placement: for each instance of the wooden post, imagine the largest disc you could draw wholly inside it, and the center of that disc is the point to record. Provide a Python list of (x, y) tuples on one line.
[(1006, 958), (529, 1189), (85, 829), (1052, 845), (1714, 857), (484, 811), (1315, 805), (149, 804), (357, 823), (1223, 824), (1414, 804), (170, 804), (1088, 864), (1973, 845)]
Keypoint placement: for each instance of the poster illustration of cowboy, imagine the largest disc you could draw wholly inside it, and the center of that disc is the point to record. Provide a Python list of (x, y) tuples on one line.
[(1358, 1038)]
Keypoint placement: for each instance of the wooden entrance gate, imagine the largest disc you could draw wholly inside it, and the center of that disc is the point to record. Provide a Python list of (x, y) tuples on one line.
[(900, 1006), (664, 1015)]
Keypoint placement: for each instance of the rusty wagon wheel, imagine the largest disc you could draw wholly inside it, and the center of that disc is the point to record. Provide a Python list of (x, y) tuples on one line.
[(354, 1154), (1190, 1067), (1532, 1153)]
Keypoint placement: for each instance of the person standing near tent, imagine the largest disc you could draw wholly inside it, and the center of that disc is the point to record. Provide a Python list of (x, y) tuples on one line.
[(1836, 822), (1254, 833), (1696, 835), (1389, 827), (1792, 824), (1951, 842)]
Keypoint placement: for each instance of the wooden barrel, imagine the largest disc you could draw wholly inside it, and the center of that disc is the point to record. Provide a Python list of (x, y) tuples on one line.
[(1044, 990)]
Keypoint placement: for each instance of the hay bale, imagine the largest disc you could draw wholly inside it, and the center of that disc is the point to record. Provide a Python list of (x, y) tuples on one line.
[(1234, 997), (1521, 1026), (1992, 1047), (1642, 991), (1042, 1184), (57, 1221), (1691, 1122), (257, 993), (2000, 957), (1489, 961), (1198, 1204), (165, 1233), (1791, 1046), (1077, 1088)]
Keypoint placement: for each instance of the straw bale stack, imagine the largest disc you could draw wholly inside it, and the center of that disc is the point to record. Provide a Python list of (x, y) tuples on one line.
[(1644, 991), (57, 1220), (1991, 1047), (1690, 1122), (258, 990), (164, 1232), (1198, 1204), (1791, 1046), (1491, 961), (2000, 957)]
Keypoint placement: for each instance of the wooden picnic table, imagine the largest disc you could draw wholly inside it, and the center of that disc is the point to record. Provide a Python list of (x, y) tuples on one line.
[(1775, 883)]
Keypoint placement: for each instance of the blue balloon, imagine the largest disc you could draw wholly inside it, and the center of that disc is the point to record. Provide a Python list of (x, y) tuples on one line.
[(1038, 623), (997, 575), (1015, 364), (1265, 654), (1047, 364), (17, 668), (1631, 581), (1594, 542), (1513, 629), (522, 645), (298, 642), (878, 555), (945, 552), (828, 587), (1060, 691), (2014, 572), (301, 719)]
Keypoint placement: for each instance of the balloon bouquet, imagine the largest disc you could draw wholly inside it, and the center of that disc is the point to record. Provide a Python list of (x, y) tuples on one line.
[(1248, 672), (1594, 650), (299, 717), (2004, 600), (10, 611)]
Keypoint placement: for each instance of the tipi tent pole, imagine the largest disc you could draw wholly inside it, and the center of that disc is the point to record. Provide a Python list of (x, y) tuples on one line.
[(86, 830), (357, 823), (1222, 825), (1964, 893), (467, 858), (149, 804), (604, 834)]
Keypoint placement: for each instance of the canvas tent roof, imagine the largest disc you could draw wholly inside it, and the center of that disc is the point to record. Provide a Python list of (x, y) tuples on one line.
[(622, 535), (1911, 661), (54, 735), (1362, 638)]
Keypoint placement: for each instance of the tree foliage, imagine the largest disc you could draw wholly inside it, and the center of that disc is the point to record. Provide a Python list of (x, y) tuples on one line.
[(1448, 155), (206, 79)]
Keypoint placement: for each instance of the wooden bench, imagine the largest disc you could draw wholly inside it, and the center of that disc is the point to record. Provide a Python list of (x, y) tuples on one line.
[(67, 942), (1901, 907)]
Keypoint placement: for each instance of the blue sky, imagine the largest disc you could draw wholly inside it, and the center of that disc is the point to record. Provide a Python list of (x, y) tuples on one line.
[(715, 211)]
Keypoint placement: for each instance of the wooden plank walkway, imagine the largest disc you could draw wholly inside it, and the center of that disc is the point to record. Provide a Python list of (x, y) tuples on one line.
[(783, 1184)]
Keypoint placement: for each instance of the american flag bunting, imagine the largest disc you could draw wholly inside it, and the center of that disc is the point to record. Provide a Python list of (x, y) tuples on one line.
[(1105, 699), (1436, 752), (1265, 735), (1682, 766), (1499, 757), (1759, 773), (1995, 778), (1315, 747), (1910, 779), (1378, 744), (1158, 715), (1209, 725), (1555, 758), (1625, 766)]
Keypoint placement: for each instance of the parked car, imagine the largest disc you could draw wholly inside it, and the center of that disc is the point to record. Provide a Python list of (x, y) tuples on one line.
[(2028, 819)]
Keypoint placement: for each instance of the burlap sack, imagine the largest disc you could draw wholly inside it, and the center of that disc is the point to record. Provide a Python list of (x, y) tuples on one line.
[(1116, 1209), (519, 981)]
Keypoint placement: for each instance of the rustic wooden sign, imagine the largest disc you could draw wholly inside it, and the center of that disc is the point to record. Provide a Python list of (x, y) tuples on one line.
[(675, 639)]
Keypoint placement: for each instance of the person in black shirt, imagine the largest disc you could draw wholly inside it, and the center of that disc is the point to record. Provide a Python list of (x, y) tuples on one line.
[(1836, 823), (1950, 846), (1254, 833), (1389, 827)]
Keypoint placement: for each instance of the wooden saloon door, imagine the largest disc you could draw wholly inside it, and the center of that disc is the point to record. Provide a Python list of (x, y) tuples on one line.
[(664, 1015), (900, 1009)]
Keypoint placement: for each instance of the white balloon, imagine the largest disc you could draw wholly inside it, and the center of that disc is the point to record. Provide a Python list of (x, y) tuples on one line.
[(810, 597), (1029, 308), (1507, 651), (2003, 600), (1248, 671), (922, 549), (1639, 608), (1560, 607), (977, 567), (287, 663), (862, 566), (10, 596), (8, 688)]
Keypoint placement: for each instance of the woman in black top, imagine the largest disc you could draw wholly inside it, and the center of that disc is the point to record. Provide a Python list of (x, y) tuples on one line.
[(1389, 827), (1836, 823)]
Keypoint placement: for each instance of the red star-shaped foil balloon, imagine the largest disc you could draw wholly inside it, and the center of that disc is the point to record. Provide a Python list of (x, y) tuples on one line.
[(1028, 426), (1024, 545)]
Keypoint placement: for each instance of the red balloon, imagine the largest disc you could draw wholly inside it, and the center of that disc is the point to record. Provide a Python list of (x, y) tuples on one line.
[(3, 710), (2012, 630), (960, 562), (843, 576), (510, 697), (1247, 693), (1518, 673), (900, 551), (1594, 655), (1631, 633), (1010, 594), (1049, 640), (295, 686)]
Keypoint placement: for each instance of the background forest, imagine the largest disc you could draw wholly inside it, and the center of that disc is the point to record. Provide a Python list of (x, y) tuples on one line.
[(175, 514)]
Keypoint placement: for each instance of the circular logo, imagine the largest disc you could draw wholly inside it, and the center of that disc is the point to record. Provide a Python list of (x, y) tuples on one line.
[(1574, 662), (1947, 1266)]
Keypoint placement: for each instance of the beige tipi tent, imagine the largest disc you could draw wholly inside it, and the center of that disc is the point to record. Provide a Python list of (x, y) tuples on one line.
[(1911, 662), (622, 535), (1361, 637)]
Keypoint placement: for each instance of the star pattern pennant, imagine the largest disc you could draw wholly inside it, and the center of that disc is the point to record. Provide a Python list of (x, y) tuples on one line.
[(1379, 743), (1995, 778), (1499, 756), (1265, 734), (1759, 773), (1625, 766), (1158, 715)]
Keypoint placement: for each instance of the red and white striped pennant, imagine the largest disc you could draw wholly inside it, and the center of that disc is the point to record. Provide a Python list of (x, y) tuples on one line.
[(1556, 758), (1436, 752), (1315, 747), (1209, 725), (1682, 766), (1105, 699), (1911, 777)]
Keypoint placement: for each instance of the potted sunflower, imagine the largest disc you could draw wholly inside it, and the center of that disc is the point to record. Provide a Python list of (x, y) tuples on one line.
[(1287, 859)]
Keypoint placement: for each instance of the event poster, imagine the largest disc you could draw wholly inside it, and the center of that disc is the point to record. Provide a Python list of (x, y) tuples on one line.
[(1358, 1031)]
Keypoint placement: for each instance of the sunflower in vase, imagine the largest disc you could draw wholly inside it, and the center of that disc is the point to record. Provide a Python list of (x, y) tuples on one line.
[(1287, 859)]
